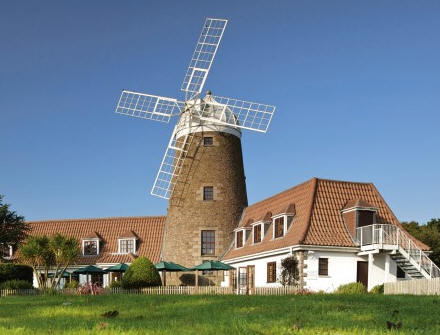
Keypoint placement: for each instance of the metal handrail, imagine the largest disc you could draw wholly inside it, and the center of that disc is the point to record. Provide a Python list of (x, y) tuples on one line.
[(392, 235)]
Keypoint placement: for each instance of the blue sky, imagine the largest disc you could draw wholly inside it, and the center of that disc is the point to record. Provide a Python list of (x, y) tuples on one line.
[(356, 85)]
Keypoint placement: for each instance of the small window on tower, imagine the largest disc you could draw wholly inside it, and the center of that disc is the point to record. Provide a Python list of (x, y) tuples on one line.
[(208, 141), (208, 242), (208, 193)]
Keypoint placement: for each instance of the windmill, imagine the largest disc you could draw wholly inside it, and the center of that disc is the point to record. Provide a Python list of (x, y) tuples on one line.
[(191, 161)]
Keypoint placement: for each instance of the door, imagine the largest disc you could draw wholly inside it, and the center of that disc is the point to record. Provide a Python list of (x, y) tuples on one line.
[(362, 273), (242, 280), (250, 279)]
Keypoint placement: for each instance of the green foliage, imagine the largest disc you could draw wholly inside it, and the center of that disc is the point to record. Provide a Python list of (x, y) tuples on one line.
[(9, 271), (56, 253), (289, 272), (428, 234), (115, 284), (351, 288), (141, 273), (378, 289), (72, 285), (15, 285), (13, 228)]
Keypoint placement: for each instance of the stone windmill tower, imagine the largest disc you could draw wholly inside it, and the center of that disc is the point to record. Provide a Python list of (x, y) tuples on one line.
[(202, 171)]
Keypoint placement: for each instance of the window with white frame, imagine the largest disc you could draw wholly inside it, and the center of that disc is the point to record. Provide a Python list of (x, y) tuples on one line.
[(127, 246), (257, 233), (278, 227), (239, 239), (90, 247), (5, 251)]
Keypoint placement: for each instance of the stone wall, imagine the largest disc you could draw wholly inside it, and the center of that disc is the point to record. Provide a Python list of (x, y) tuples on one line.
[(220, 166)]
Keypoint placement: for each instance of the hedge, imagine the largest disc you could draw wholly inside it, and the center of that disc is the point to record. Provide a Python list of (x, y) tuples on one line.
[(9, 271)]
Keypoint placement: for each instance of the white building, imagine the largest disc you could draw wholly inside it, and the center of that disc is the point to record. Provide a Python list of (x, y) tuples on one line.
[(340, 232)]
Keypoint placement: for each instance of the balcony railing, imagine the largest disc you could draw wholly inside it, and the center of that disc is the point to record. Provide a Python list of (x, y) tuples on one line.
[(387, 236)]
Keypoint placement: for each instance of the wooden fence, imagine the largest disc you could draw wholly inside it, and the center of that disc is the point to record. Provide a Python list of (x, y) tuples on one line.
[(416, 286), (167, 290)]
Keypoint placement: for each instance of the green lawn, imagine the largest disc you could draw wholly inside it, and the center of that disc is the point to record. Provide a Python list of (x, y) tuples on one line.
[(141, 314)]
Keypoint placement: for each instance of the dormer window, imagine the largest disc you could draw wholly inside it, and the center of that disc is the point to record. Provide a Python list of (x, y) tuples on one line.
[(239, 239), (90, 247), (257, 233), (127, 246), (6, 252), (279, 227)]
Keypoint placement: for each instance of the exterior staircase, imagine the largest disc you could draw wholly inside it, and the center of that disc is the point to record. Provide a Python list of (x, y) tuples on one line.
[(408, 256)]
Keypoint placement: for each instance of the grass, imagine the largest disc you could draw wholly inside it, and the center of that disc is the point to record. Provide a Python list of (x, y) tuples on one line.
[(142, 314)]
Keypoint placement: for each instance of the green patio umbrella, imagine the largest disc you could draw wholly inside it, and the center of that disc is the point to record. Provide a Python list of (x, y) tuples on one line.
[(66, 274), (89, 270), (168, 266), (121, 267), (210, 266)]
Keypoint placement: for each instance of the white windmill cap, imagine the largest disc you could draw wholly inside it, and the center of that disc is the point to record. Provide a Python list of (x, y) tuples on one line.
[(209, 108)]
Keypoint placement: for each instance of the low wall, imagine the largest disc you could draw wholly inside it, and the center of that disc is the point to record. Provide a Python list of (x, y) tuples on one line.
[(416, 286)]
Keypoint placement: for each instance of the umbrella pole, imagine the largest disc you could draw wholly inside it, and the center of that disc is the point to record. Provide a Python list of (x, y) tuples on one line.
[(164, 278), (197, 278)]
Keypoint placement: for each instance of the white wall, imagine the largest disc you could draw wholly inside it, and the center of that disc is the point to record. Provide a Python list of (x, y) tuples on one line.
[(261, 269), (342, 269), (381, 269)]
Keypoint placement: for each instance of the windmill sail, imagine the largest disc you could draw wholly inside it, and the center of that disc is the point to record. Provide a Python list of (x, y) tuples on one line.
[(171, 165), (203, 56), (237, 113), (147, 106)]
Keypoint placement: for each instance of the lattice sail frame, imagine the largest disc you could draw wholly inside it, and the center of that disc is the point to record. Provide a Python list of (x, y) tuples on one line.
[(241, 114), (147, 106), (171, 165), (247, 115), (203, 56)]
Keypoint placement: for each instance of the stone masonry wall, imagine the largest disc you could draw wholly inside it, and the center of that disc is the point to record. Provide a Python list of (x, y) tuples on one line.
[(220, 166)]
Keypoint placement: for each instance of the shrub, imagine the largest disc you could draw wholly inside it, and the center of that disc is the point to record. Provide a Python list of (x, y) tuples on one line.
[(378, 289), (15, 285), (9, 271), (72, 285), (115, 284), (351, 288), (141, 273), (90, 288)]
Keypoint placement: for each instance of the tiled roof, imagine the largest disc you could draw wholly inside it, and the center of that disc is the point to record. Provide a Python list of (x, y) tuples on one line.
[(359, 202), (148, 229), (318, 221)]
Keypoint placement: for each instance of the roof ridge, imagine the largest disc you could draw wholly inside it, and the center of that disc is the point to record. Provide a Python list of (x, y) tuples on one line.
[(97, 218), (345, 181)]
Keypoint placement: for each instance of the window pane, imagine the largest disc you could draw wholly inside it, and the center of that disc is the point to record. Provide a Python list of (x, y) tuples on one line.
[(323, 267), (239, 241), (279, 227), (90, 248), (208, 141), (257, 234), (126, 246), (271, 272), (208, 242), (208, 193)]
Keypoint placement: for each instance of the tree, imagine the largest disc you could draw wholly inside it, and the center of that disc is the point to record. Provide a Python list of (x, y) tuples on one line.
[(141, 273), (13, 228), (289, 272), (44, 254), (428, 234)]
